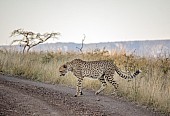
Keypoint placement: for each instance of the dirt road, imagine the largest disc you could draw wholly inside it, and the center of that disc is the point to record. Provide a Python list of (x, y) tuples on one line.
[(19, 97)]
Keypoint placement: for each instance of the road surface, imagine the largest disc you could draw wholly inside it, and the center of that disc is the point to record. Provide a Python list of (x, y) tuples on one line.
[(20, 97)]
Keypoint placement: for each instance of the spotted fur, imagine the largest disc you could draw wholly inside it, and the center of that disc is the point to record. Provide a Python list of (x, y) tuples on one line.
[(102, 70)]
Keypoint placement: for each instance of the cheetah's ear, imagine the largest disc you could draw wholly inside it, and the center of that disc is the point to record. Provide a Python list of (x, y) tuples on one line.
[(65, 66)]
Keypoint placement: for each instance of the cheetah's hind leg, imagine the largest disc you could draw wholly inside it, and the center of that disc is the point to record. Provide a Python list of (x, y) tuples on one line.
[(103, 85), (115, 85)]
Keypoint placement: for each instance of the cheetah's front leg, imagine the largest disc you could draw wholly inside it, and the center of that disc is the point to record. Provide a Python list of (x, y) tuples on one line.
[(79, 87)]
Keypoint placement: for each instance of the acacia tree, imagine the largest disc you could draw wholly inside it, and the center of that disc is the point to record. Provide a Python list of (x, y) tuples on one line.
[(31, 39)]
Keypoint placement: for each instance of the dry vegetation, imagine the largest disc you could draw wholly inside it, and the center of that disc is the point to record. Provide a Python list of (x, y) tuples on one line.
[(151, 88)]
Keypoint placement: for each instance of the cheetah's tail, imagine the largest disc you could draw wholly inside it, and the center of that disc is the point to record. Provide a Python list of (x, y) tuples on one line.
[(126, 75)]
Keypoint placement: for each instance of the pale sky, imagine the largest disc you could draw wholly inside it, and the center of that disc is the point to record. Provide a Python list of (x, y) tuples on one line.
[(99, 20)]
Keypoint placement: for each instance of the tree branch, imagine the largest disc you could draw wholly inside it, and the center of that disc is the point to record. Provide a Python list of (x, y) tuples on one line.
[(82, 44)]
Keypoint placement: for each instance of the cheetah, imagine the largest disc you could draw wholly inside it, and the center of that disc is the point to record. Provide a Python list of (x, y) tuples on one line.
[(102, 70)]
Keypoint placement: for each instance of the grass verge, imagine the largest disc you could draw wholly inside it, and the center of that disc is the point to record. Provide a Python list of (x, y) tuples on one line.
[(151, 88)]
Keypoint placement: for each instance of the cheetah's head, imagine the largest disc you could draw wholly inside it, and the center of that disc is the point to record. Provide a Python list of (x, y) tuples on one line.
[(64, 69)]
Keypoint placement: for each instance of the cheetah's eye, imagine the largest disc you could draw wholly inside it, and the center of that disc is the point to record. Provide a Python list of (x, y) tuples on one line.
[(65, 66)]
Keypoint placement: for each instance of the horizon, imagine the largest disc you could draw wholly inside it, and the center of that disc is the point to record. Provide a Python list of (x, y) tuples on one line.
[(156, 47), (100, 21), (94, 43)]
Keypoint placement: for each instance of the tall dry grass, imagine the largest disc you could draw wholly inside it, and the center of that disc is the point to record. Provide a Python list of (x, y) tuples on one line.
[(151, 87)]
